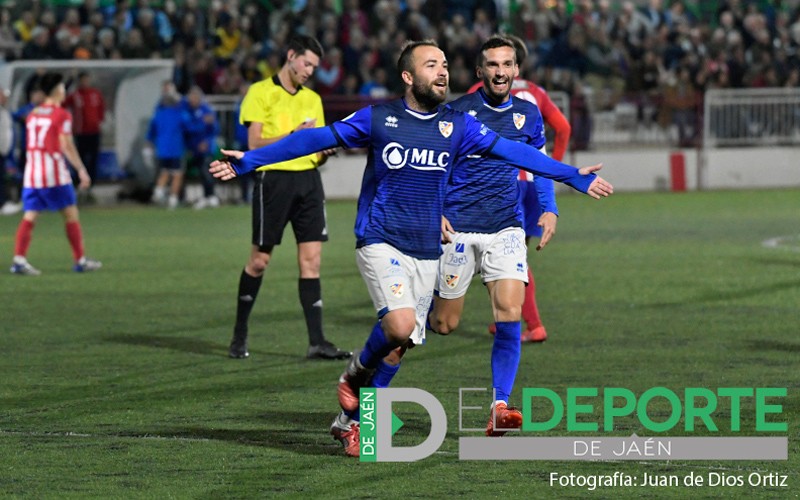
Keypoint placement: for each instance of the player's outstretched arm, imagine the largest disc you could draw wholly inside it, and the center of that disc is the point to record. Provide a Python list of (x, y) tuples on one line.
[(531, 159), (300, 143), (599, 186), (223, 169)]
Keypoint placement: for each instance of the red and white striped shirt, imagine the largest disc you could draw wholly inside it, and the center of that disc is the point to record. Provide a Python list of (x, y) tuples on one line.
[(45, 165)]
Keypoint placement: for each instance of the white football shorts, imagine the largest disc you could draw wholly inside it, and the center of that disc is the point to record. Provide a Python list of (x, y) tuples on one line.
[(495, 256), (397, 281)]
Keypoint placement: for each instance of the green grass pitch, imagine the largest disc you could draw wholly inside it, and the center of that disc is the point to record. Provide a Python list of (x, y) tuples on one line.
[(117, 384)]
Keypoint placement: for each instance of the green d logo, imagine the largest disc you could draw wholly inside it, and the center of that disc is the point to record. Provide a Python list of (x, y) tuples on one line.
[(378, 424)]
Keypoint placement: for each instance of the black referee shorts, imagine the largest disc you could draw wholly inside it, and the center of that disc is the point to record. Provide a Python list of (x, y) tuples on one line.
[(280, 197)]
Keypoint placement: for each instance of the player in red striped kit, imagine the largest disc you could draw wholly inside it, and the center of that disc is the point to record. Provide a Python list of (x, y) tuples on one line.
[(537, 223), (47, 184)]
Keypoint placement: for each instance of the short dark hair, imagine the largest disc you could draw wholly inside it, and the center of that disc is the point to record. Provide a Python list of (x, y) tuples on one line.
[(519, 47), (494, 42), (301, 43), (404, 61), (50, 81)]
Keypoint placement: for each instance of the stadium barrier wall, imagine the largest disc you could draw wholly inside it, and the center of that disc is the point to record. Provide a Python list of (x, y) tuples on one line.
[(634, 169)]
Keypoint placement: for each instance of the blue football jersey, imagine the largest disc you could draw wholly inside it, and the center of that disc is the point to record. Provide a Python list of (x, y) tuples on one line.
[(481, 194), (409, 159)]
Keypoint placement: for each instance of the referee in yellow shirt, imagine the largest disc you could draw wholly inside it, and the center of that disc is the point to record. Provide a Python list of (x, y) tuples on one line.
[(286, 192)]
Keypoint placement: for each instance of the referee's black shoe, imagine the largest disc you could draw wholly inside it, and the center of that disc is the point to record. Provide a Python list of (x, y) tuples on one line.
[(238, 348), (326, 350)]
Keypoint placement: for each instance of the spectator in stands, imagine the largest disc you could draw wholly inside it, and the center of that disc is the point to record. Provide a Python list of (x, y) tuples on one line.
[(48, 21), (86, 43), (352, 51), (64, 48), (38, 45), (133, 47), (106, 44), (580, 118), (24, 26), (330, 72), (146, 24), (352, 18), (71, 25), (9, 45), (187, 31), (193, 8), (229, 78), (201, 128), (680, 107), (350, 85), (227, 38), (201, 70), (88, 9), (251, 71), (166, 136), (375, 87), (482, 26), (88, 112)]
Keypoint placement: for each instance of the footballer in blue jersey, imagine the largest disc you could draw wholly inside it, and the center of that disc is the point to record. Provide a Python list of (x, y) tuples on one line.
[(483, 224), (412, 144)]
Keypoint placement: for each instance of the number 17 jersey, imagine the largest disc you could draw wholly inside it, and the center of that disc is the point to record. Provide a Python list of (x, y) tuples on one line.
[(45, 165)]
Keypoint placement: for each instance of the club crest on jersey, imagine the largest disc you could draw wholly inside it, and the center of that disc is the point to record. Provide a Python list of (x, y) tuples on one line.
[(519, 120), (451, 280), (397, 289), (446, 128)]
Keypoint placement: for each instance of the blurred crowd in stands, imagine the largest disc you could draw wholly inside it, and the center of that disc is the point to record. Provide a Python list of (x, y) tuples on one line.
[(659, 55)]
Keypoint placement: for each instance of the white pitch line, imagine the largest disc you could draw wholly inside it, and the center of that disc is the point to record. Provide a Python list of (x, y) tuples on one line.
[(791, 243), (107, 436)]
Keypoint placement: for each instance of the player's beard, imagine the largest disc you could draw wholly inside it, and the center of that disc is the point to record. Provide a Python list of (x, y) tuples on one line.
[(497, 96), (426, 96)]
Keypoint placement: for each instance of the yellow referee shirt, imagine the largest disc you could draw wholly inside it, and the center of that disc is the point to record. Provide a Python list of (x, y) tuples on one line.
[(280, 112)]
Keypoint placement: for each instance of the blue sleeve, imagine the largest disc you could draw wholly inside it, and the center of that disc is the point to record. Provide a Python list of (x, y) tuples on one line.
[(355, 131), (545, 190), (546, 193), (534, 161), (300, 143), (478, 138), (539, 139)]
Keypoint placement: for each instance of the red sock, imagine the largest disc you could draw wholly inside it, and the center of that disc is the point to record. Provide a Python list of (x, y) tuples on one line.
[(23, 241), (75, 239), (530, 313)]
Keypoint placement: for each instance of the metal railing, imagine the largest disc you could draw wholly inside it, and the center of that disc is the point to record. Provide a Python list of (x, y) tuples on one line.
[(751, 117), (748, 118)]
